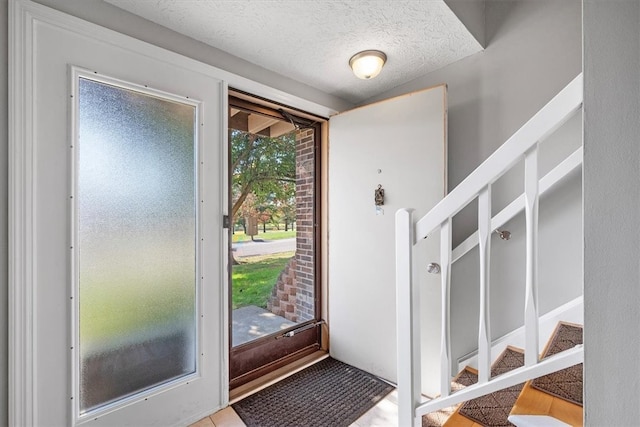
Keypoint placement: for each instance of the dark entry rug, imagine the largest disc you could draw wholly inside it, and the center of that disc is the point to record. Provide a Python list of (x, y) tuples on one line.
[(493, 409), (327, 394), (567, 383)]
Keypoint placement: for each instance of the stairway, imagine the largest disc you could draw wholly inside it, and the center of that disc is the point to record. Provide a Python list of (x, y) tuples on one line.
[(557, 395)]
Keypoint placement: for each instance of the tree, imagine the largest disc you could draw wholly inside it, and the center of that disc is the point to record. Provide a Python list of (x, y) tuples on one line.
[(264, 216), (285, 205), (261, 165)]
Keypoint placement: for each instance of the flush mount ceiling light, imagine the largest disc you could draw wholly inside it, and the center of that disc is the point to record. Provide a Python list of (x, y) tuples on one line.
[(367, 64)]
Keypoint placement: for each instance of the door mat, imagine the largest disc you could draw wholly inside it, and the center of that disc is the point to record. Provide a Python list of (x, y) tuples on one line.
[(567, 383), (328, 393), (493, 409)]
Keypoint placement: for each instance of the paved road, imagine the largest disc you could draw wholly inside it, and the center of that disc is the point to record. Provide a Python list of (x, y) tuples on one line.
[(243, 249)]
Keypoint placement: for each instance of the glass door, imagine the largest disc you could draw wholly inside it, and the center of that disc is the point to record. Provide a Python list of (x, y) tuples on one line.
[(273, 227), (136, 234)]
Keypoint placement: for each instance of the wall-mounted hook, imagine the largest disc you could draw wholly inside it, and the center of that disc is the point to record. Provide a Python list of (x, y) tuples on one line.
[(433, 268), (504, 234)]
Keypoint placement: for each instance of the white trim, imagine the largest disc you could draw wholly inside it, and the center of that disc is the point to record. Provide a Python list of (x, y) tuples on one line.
[(74, 273), (21, 304), (224, 261)]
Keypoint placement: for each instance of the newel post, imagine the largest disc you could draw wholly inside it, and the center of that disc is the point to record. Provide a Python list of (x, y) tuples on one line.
[(407, 322)]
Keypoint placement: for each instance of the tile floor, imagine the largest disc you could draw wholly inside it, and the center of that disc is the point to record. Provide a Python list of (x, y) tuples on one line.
[(384, 414)]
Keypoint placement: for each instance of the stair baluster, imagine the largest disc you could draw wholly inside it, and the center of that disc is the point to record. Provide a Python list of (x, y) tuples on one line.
[(531, 226), (445, 335), (484, 249)]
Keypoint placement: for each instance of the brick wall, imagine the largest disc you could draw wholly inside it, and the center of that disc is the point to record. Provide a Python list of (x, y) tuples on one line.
[(305, 201), (293, 295), (283, 295)]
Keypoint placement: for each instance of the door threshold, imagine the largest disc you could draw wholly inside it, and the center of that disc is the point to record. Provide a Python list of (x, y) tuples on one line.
[(273, 377)]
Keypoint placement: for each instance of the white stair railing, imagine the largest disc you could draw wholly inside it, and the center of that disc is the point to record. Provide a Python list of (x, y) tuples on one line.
[(522, 145)]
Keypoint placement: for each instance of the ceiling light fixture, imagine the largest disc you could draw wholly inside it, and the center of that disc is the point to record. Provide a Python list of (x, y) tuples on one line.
[(367, 64)]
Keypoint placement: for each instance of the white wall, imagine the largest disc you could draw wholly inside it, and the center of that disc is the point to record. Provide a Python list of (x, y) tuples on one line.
[(533, 49), (612, 212), (3, 213), (471, 13)]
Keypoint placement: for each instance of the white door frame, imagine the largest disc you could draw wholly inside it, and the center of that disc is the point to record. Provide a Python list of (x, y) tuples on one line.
[(23, 16)]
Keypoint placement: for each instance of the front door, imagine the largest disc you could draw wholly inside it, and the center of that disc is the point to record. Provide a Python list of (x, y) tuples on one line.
[(274, 177), (123, 206), (382, 157)]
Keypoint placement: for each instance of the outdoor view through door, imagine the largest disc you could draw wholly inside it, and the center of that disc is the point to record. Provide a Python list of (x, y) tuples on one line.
[(274, 302)]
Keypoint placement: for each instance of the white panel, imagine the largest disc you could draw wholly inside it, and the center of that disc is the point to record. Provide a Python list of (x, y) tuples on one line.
[(42, 389), (401, 145)]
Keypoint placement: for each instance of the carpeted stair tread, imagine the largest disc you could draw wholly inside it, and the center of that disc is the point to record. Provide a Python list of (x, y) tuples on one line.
[(567, 383), (328, 393), (493, 409), (465, 378)]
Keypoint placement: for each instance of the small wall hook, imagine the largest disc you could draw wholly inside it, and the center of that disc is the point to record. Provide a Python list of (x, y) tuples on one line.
[(504, 234), (433, 268)]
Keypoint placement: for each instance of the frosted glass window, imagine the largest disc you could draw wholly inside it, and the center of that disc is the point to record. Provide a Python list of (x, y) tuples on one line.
[(136, 212)]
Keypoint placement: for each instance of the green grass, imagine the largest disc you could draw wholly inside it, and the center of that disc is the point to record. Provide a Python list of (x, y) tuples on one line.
[(254, 277), (239, 236)]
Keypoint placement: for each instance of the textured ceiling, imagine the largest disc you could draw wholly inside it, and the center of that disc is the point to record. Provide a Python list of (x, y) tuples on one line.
[(312, 41)]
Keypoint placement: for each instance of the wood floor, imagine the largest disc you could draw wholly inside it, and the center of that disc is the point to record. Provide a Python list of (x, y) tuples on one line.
[(535, 402)]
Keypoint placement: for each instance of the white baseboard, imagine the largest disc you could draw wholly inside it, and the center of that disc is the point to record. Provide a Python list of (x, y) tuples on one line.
[(570, 312)]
